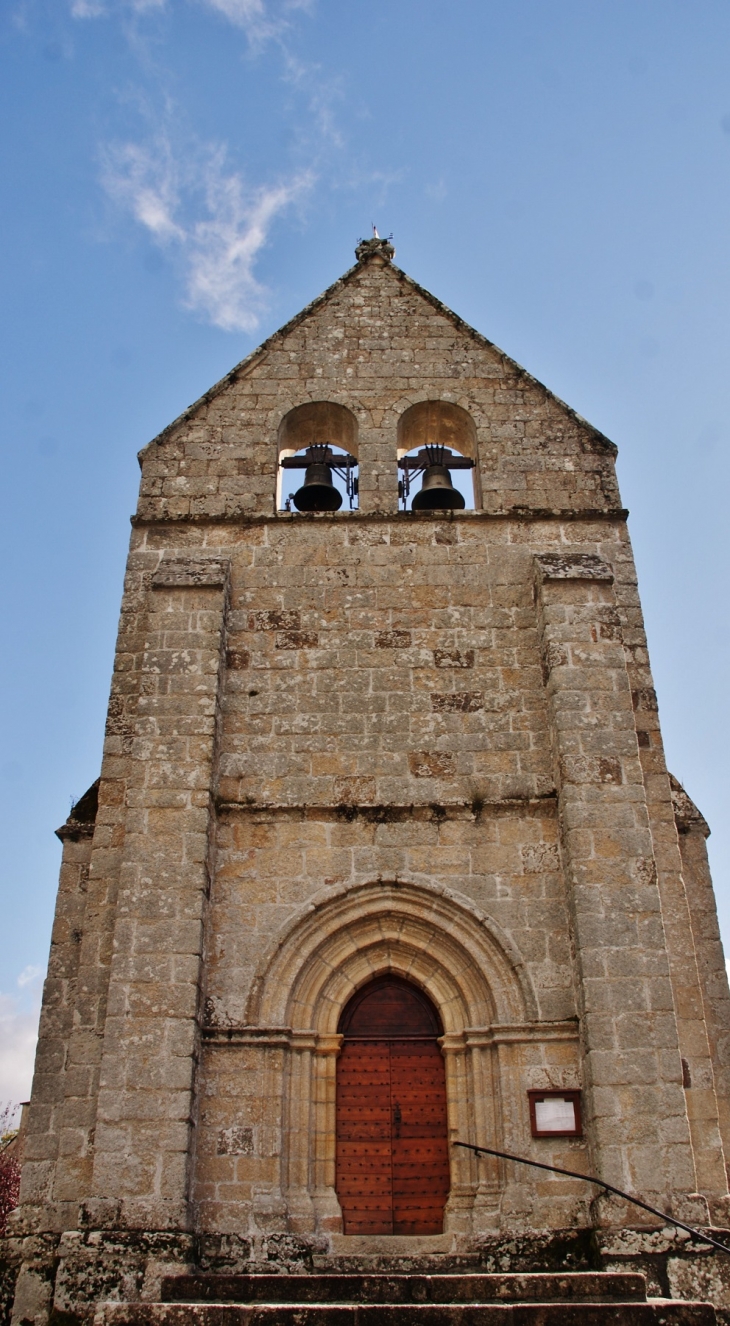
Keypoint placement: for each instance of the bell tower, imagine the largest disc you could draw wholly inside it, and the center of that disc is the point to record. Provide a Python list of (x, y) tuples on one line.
[(384, 854)]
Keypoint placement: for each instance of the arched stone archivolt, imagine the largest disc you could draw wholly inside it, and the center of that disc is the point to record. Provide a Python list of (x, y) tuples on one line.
[(474, 976), (477, 976)]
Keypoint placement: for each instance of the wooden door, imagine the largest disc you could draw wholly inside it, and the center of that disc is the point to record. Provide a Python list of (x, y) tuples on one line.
[(392, 1149)]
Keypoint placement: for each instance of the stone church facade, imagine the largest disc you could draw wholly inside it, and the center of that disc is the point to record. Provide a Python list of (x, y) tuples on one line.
[(371, 743)]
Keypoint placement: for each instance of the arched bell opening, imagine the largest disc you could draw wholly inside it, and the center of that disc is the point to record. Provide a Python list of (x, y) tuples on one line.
[(437, 458), (392, 1173), (318, 458)]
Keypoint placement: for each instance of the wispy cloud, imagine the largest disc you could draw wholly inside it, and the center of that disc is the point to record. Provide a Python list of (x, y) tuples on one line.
[(100, 8), (87, 9), (223, 248), (251, 15), (321, 94), (210, 218), (18, 1035), (257, 18), (206, 216), (29, 976)]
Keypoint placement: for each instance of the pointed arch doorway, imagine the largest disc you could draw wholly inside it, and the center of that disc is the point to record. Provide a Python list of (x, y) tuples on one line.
[(392, 1165)]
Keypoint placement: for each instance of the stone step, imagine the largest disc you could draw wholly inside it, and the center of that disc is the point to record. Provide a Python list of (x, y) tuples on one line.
[(546, 1287), (656, 1312)]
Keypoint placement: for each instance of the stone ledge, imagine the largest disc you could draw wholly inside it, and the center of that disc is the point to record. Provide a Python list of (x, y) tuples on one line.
[(379, 517), (496, 1034), (73, 830), (389, 814)]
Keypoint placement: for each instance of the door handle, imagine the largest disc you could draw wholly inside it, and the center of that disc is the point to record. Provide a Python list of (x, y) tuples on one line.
[(396, 1119)]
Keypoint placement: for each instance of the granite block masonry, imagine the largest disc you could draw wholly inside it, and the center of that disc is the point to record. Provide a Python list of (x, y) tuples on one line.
[(375, 741)]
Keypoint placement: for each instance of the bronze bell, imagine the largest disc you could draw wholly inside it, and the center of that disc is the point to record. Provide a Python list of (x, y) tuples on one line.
[(317, 493), (437, 490)]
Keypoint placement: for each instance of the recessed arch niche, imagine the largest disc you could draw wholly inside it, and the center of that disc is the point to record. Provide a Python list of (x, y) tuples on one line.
[(441, 423), (311, 423), (469, 971)]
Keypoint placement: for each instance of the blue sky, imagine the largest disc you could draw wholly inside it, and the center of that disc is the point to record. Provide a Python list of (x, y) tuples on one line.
[(181, 176)]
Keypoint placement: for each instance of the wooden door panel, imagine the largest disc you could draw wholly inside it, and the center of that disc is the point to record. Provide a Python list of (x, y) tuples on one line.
[(420, 1176), (363, 1163), (392, 1161), (363, 1092), (418, 1089)]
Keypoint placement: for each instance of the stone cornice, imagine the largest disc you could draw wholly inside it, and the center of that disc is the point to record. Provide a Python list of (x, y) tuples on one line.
[(472, 1037), (516, 513), (73, 830), (384, 814)]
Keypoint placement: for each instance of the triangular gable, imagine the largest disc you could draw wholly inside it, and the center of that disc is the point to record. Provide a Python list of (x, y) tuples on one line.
[(247, 364)]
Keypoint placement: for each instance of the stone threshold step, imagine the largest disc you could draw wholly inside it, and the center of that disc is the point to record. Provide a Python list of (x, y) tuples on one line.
[(657, 1312), (544, 1287)]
